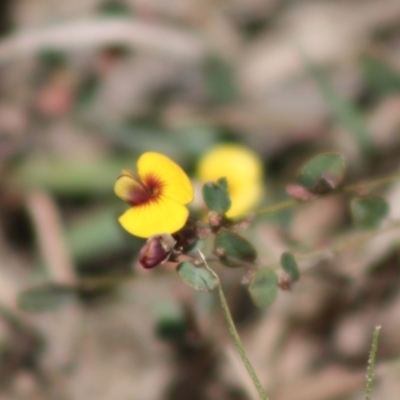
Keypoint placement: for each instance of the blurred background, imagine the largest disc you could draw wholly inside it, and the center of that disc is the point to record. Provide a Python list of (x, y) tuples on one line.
[(86, 87)]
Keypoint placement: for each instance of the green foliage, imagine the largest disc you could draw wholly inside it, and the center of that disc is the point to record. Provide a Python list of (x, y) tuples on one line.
[(190, 141), (52, 58), (171, 323), (231, 245), (263, 288), (96, 234), (289, 265), (220, 81), (114, 9), (368, 212), (171, 328), (344, 111), (322, 173), (198, 278), (47, 297), (379, 76), (216, 196), (71, 177)]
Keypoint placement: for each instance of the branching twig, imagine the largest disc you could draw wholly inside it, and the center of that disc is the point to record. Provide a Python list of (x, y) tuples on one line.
[(234, 333), (351, 188)]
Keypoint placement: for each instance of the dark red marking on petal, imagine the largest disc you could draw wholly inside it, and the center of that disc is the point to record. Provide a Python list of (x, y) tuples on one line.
[(154, 184), (144, 191), (138, 192), (138, 196)]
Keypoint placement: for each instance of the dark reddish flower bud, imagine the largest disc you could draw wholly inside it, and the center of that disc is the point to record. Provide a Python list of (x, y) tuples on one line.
[(187, 237), (156, 250)]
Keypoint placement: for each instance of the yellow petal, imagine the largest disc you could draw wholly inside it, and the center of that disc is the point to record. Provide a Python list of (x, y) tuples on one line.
[(243, 170), (244, 199), (155, 217), (238, 164), (175, 183)]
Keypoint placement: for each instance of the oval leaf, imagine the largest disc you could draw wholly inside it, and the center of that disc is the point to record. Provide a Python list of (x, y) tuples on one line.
[(323, 172), (44, 298), (289, 265), (198, 278), (231, 245), (216, 196), (369, 211), (264, 287)]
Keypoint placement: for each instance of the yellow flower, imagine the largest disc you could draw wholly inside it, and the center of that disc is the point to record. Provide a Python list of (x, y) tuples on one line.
[(243, 170), (157, 196)]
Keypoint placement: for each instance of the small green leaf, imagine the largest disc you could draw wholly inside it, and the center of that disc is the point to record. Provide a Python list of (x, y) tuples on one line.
[(322, 173), (231, 245), (369, 211), (264, 287), (216, 196), (198, 278), (47, 297), (289, 265), (380, 77)]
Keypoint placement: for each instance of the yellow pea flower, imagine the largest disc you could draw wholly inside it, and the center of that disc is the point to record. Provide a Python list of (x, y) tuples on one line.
[(157, 196), (243, 170)]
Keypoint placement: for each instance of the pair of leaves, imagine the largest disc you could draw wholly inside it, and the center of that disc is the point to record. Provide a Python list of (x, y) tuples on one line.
[(264, 286), (325, 172)]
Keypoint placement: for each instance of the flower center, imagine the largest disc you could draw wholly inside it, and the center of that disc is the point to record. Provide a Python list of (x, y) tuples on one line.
[(153, 184), (145, 190)]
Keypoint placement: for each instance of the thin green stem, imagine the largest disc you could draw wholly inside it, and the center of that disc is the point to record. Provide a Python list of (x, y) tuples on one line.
[(277, 207), (338, 246), (235, 335), (371, 183), (239, 345), (356, 187), (371, 363)]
